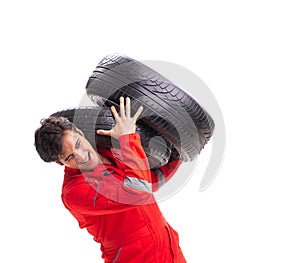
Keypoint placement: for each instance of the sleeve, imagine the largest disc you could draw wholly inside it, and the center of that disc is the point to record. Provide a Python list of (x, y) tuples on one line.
[(163, 174), (134, 163)]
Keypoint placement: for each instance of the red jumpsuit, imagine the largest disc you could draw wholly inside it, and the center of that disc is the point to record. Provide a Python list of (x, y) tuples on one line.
[(116, 205)]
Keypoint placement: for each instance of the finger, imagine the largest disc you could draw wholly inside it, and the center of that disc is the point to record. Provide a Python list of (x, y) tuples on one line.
[(104, 132), (127, 107), (122, 110), (114, 112), (138, 113)]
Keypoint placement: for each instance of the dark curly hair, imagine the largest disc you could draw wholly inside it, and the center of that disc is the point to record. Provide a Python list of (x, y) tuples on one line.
[(48, 138)]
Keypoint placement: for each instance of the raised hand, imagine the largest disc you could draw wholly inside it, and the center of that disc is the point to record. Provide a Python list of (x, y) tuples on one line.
[(125, 124)]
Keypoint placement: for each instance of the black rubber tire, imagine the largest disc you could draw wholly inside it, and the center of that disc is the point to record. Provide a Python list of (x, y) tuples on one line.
[(90, 119), (167, 109)]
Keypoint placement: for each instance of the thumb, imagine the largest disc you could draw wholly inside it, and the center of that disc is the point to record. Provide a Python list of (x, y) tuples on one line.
[(104, 132)]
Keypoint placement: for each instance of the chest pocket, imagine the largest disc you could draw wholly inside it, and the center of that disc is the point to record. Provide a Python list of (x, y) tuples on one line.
[(105, 184)]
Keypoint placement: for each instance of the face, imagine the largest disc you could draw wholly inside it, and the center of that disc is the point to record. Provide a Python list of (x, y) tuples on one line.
[(77, 152)]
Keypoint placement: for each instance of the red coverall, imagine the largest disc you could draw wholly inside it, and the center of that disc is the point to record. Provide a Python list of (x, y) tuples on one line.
[(116, 205)]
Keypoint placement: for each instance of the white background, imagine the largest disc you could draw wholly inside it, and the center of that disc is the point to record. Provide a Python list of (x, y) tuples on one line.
[(247, 52)]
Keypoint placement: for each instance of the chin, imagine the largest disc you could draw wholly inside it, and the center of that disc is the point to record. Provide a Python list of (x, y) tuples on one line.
[(88, 167)]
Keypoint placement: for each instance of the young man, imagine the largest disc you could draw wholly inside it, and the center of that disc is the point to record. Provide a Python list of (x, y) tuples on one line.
[(110, 191)]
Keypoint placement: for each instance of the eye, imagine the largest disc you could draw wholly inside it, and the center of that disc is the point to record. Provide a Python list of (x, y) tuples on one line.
[(69, 158), (77, 144)]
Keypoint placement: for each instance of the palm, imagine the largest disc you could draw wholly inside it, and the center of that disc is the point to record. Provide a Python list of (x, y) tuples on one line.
[(125, 124)]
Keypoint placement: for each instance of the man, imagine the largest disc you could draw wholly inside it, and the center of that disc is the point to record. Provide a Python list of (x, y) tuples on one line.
[(110, 191)]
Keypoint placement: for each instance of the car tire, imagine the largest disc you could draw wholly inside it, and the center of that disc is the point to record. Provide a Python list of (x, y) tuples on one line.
[(167, 109)]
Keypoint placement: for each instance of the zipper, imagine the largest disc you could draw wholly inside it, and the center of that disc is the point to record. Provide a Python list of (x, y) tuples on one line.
[(118, 254), (95, 185), (97, 190)]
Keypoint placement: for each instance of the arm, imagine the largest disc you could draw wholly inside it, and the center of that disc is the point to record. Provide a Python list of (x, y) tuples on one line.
[(133, 160), (134, 163)]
